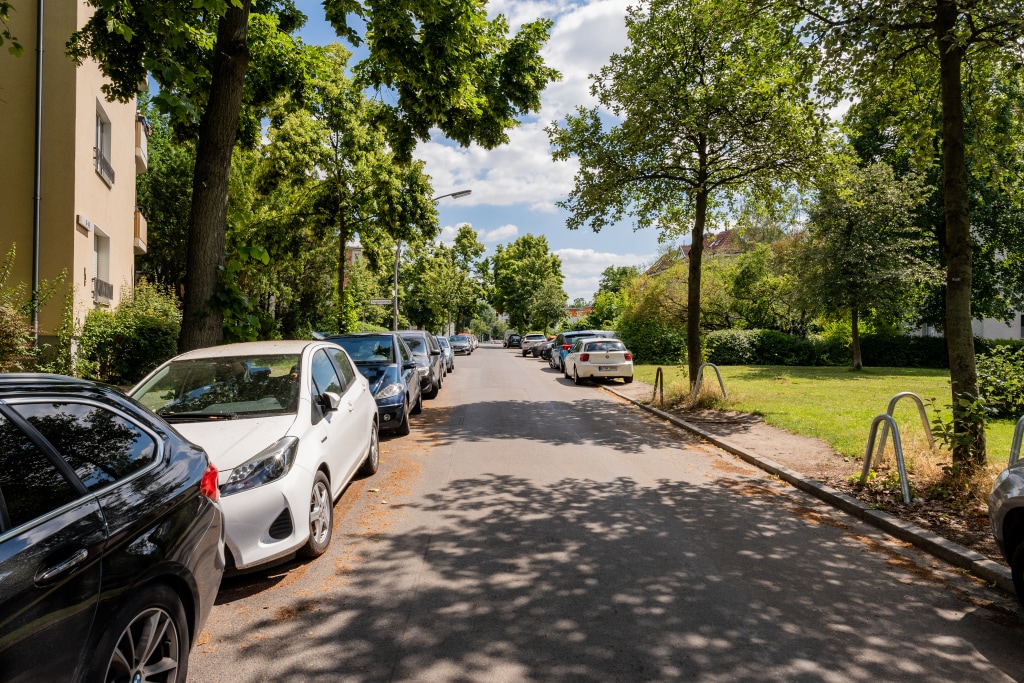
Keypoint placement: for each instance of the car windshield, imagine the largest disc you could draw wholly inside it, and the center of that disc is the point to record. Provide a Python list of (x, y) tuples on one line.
[(210, 388), (443, 342), (459, 340), (367, 349), (416, 344)]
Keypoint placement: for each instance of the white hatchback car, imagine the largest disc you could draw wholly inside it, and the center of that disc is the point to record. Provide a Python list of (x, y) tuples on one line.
[(287, 424), (598, 357)]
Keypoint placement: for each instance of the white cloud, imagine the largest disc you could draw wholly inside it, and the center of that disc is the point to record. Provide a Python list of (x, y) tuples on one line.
[(582, 268), (498, 234), (522, 171)]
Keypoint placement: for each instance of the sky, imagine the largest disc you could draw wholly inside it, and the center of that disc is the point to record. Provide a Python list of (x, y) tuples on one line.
[(515, 187)]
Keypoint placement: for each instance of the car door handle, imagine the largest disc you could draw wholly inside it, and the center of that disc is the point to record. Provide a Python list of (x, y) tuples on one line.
[(77, 558)]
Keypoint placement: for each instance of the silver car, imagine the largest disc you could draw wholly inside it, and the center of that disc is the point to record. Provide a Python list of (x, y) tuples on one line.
[(1006, 515)]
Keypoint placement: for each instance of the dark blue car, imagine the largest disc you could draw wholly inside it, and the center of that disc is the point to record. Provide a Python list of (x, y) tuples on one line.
[(386, 362)]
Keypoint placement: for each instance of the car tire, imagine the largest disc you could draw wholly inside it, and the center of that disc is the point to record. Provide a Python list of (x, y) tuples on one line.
[(627, 380), (575, 375), (372, 462), (418, 408), (118, 651), (403, 426), (1017, 571), (321, 515), (434, 388)]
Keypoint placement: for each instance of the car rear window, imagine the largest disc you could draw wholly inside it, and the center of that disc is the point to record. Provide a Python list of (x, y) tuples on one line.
[(367, 349), (604, 346)]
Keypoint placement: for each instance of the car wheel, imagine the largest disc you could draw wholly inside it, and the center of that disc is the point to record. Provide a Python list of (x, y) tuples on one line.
[(418, 408), (1017, 571), (575, 375), (147, 640), (403, 426), (321, 516), (372, 462), (627, 380), (434, 388)]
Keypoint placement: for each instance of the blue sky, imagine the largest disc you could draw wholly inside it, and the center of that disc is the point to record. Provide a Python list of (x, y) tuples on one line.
[(515, 187)]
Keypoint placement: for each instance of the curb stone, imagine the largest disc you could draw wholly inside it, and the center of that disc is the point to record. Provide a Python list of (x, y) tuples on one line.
[(942, 548)]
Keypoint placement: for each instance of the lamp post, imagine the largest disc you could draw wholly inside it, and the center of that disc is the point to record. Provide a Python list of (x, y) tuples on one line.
[(398, 257)]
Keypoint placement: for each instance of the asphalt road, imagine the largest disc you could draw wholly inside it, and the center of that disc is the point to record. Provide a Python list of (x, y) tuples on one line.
[(533, 530)]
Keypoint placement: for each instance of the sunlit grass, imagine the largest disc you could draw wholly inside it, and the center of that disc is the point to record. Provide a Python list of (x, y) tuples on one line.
[(833, 404)]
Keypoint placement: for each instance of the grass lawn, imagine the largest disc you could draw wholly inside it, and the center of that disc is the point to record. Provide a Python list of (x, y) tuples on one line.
[(834, 404)]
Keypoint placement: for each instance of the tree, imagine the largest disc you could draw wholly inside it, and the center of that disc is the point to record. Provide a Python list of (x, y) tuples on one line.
[(449, 65), (861, 254), (715, 102), (520, 272), (614, 279), (913, 55)]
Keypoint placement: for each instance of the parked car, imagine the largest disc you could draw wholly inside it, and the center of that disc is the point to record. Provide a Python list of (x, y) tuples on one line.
[(514, 341), (427, 354), (508, 333), (287, 423), (531, 339), (598, 358), (447, 352), (110, 529), (536, 350), (460, 345), (388, 365), (1006, 517), (563, 342)]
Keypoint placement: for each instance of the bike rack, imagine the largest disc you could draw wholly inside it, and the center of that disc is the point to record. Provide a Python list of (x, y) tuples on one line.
[(897, 445), (700, 378), (1018, 433), (659, 383), (892, 407)]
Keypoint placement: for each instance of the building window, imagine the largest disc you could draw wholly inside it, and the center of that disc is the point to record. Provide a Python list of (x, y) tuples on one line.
[(102, 289), (102, 149)]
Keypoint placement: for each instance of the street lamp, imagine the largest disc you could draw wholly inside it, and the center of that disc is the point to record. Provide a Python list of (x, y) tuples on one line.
[(458, 194)]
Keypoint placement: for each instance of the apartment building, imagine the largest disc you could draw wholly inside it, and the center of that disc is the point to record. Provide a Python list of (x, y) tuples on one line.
[(90, 151)]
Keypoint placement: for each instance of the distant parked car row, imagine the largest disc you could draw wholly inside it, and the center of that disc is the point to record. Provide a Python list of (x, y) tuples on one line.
[(579, 354)]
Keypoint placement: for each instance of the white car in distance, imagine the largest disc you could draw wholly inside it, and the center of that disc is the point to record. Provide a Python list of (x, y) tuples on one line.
[(598, 358), (287, 423)]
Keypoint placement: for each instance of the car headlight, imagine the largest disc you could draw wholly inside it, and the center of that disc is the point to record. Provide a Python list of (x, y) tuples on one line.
[(269, 465), (390, 391), (424, 370)]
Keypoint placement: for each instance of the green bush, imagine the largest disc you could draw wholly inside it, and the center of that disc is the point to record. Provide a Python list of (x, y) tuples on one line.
[(120, 347), (652, 341), (771, 347), (904, 351), (1001, 380)]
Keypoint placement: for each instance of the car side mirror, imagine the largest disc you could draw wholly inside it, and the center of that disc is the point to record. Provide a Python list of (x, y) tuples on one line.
[(329, 401), (409, 365), (435, 353)]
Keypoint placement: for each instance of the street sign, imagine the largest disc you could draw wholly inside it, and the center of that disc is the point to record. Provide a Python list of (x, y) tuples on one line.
[(381, 302)]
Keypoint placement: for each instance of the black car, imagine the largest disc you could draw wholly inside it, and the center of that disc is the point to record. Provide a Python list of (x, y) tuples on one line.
[(515, 341), (429, 359), (110, 532), (385, 360)]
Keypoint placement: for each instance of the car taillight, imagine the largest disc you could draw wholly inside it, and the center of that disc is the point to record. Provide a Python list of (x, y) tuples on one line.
[(566, 347), (584, 357), (629, 356), (208, 485)]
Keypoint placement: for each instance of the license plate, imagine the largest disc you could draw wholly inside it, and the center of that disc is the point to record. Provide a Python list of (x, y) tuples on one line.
[(606, 368)]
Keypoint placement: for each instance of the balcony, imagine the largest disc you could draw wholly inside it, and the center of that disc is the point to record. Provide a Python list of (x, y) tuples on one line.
[(141, 145), (104, 168), (102, 292), (140, 233)]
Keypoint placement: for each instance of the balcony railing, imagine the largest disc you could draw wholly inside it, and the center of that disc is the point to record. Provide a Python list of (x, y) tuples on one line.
[(104, 168), (102, 291), (141, 146), (140, 232)]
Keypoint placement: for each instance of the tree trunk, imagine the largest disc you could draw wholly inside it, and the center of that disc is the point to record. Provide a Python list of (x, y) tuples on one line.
[(693, 355), (342, 308), (858, 362), (202, 322), (963, 372)]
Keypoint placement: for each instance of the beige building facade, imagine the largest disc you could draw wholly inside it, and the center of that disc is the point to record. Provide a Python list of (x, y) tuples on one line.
[(89, 229)]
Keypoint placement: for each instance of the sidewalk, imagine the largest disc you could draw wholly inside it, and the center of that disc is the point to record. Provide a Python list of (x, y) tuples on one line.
[(779, 452)]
